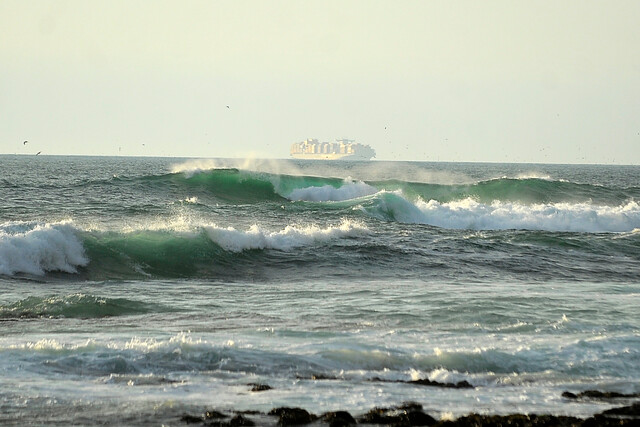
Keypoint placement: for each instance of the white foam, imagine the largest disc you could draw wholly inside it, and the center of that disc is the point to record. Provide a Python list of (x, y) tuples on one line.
[(289, 238), (35, 248), (192, 200), (349, 190), (473, 215), (572, 217)]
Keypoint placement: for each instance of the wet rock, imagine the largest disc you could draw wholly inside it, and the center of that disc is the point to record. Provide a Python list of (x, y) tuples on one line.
[(259, 387), (292, 416), (569, 395), (427, 382), (408, 414), (317, 377), (239, 420), (602, 421), (191, 419), (595, 394), (212, 415), (632, 411), (515, 420), (338, 419)]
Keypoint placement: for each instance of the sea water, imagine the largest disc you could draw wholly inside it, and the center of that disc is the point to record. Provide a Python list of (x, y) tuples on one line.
[(135, 290)]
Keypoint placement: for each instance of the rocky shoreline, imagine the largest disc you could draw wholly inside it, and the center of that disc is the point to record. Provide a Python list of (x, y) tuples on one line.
[(412, 414)]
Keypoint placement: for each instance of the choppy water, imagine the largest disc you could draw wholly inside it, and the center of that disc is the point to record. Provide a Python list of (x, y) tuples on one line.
[(135, 290)]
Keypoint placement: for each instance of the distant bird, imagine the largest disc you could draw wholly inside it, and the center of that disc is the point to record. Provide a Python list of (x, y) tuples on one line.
[(227, 106), (25, 143), (38, 152)]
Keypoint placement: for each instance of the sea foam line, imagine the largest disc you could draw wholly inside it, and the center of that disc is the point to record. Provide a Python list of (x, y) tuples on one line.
[(289, 238)]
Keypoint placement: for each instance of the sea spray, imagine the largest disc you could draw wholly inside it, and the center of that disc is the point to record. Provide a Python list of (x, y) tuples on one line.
[(348, 190), (36, 248)]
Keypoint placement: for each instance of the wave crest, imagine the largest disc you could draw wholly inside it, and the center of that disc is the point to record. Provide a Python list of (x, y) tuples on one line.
[(499, 215), (289, 238), (37, 248), (327, 193)]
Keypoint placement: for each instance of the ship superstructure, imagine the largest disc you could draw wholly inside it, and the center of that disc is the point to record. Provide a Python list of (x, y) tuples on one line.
[(341, 149)]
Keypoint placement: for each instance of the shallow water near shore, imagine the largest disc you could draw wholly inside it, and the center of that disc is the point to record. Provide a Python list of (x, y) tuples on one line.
[(134, 290)]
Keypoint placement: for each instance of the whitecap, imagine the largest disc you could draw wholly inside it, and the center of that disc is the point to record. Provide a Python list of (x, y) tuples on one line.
[(289, 238), (349, 190)]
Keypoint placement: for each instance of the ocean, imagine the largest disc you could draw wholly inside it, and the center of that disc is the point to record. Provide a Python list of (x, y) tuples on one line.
[(134, 291)]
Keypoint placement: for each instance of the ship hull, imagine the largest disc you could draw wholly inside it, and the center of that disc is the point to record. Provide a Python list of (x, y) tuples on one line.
[(342, 149), (330, 156)]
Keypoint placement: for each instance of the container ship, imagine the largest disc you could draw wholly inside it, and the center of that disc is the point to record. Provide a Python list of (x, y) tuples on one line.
[(342, 149)]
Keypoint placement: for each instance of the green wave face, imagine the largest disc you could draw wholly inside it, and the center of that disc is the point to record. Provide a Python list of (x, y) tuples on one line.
[(235, 186), (232, 186), (150, 253), (76, 306), (527, 191)]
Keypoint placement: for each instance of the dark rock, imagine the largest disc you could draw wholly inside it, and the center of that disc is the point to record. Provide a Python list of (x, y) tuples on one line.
[(239, 420), (408, 406), (595, 394), (338, 419), (627, 411), (408, 414), (317, 377), (210, 415), (515, 420), (191, 419), (378, 416), (292, 416), (601, 421), (428, 382), (259, 387), (419, 418)]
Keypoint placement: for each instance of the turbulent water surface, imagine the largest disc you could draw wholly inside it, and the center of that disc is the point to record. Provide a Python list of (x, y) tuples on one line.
[(136, 290)]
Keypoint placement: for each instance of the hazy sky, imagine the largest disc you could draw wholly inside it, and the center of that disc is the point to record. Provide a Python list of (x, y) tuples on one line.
[(515, 81)]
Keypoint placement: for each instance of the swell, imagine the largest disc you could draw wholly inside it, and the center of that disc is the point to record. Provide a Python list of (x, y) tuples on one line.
[(522, 190), (35, 249), (240, 186), (365, 248), (335, 360), (75, 306)]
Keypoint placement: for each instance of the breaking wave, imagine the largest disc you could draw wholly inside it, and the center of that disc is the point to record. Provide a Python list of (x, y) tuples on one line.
[(500, 215), (36, 248), (155, 251), (289, 238)]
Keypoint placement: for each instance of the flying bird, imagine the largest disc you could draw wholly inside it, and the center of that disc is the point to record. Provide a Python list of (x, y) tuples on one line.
[(38, 152), (25, 143)]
